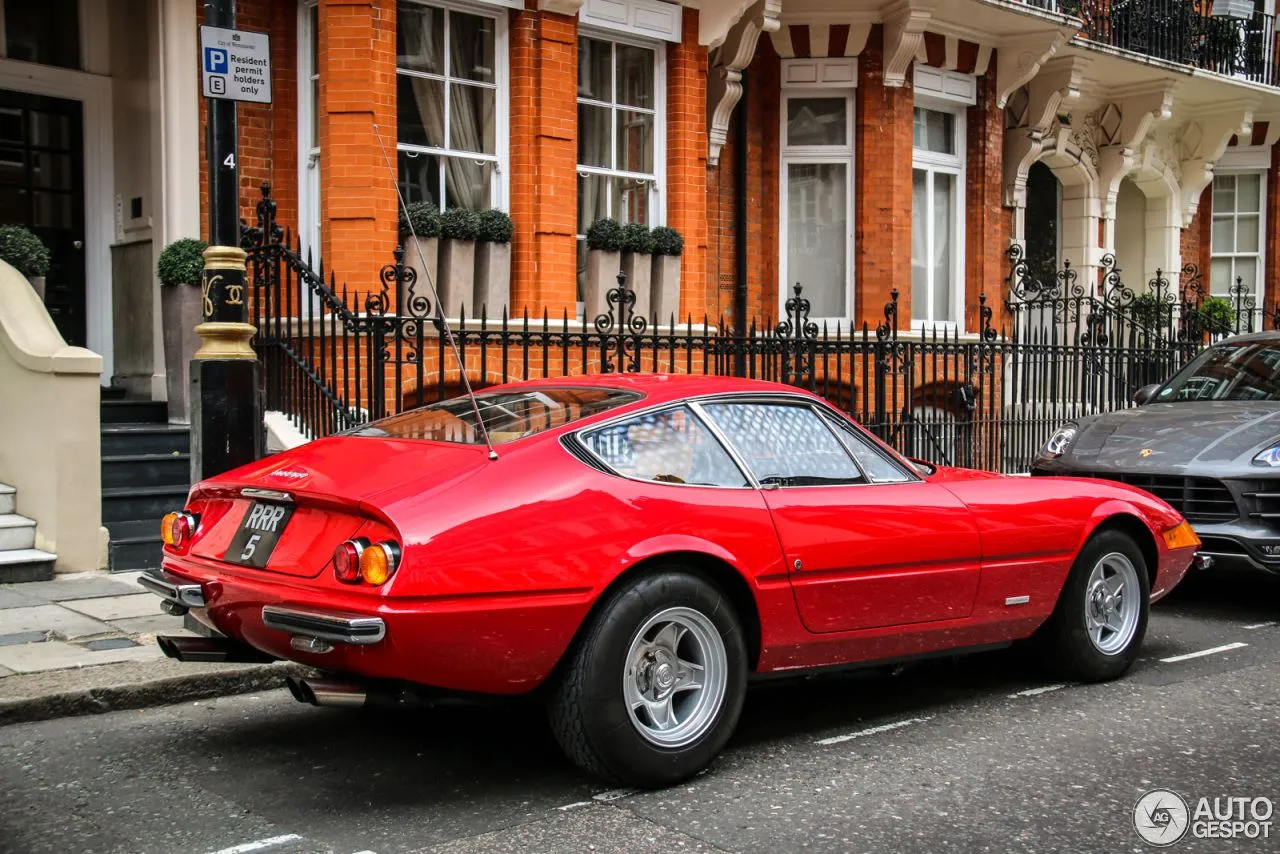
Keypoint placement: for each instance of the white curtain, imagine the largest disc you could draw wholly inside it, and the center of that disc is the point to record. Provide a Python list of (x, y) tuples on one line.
[(470, 114)]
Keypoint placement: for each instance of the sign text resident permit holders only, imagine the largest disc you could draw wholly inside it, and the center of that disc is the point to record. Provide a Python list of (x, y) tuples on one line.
[(235, 64)]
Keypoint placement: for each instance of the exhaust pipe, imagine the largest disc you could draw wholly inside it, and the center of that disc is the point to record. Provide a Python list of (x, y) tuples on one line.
[(210, 650), (327, 692)]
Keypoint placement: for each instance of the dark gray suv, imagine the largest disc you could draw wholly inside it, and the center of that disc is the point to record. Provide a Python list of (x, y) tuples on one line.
[(1207, 441)]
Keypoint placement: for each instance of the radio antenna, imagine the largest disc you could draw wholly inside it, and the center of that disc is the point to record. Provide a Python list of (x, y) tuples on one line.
[(444, 323)]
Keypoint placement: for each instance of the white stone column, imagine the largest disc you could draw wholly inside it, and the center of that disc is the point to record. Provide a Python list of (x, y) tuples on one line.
[(176, 136), (1078, 224)]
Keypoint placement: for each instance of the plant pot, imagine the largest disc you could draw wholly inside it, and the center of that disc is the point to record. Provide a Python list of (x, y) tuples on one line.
[(37, 284), (180, 307), (493, 278), (423, 255), (457, 275), (637, 266), (665, 289), (602, 275)]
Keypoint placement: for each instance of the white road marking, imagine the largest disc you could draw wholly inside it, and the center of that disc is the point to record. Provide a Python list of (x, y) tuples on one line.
[(1261, 625), (1031, 692), (1203, 652), (613, 794), (875, 730), (574, 805), (259, 844)]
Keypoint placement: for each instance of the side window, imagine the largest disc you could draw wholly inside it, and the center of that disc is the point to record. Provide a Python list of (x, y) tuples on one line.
[(785, 445), (879, 468), (671, 446)]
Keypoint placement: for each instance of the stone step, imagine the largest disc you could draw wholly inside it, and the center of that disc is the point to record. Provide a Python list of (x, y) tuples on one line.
[(148, 503), (134, 412), (118, 439), (16, 532), (21, 565), (141, 470), (8, 498), (133, 553)]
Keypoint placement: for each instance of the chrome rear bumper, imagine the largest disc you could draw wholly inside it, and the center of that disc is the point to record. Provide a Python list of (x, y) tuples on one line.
[(331, 628), (178, 594)]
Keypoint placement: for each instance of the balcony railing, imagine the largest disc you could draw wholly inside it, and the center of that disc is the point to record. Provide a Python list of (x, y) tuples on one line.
[(1224, 36)]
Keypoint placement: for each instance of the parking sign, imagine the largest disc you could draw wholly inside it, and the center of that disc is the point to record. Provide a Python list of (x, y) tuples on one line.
[(236, 64)]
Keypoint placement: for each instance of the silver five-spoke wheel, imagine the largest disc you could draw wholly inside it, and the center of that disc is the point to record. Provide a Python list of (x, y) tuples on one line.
[(1112, 603), (676, 671)]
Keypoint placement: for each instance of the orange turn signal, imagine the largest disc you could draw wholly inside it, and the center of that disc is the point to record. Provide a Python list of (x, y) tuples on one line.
[(1181, 537), (377, 563), (176, 529)]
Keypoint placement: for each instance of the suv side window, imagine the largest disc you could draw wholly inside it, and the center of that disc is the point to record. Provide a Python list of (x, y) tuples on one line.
[(670, 446), (785, 444), (879, 468)]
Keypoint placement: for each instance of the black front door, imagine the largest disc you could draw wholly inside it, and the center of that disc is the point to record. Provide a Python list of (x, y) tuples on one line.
[(42, 187)]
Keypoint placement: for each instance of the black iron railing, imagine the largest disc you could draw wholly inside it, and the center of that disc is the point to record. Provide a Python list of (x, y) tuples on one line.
[(1064, 348), (1186, 32)]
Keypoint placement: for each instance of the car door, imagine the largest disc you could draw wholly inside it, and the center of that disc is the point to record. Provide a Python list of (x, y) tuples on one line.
[(868, 544)]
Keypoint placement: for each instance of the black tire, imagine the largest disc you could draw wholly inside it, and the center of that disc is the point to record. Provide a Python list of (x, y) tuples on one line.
[(1066, 646), (586, 706)]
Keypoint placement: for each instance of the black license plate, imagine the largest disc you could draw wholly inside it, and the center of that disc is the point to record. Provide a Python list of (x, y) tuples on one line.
[(259, 532)]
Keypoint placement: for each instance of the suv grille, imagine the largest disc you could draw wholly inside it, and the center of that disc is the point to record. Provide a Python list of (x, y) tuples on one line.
[(1199, 499)]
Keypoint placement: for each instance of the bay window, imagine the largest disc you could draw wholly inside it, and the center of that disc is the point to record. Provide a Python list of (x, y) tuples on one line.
[(1237, 232), (937, 215), (621, 134), (451, 87)]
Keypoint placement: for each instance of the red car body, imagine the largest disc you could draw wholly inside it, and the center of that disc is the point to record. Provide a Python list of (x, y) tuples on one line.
[(502, 560)]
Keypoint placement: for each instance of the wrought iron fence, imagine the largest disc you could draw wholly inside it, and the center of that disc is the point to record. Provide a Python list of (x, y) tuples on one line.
[(1185, 31), (1064, 348)]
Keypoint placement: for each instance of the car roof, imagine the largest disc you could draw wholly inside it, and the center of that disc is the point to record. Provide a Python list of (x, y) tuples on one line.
[(658, 387), (1269, 335)]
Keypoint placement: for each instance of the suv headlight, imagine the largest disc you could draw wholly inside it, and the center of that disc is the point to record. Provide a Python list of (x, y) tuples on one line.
[(1059, 442), (1269, 457)]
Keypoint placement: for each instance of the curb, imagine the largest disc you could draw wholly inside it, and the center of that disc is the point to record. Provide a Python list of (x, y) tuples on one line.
[(149, 693)]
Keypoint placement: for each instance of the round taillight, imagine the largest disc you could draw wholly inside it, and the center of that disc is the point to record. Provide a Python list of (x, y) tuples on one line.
[(176, 529), (379, 562), (346, 561)]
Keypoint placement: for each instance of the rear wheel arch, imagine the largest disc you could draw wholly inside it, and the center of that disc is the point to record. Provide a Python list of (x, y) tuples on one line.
[(722, 575)]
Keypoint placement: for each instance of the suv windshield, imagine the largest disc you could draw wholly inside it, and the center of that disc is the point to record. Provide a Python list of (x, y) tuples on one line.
[(507, 415), (1242, 371)]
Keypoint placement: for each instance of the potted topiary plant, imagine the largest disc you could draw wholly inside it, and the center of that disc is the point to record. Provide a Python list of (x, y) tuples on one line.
[(179, 268), (493, 261), (637, 255), (23, 251), (665, 290), (458, 230), (420, 235), (604, 248)]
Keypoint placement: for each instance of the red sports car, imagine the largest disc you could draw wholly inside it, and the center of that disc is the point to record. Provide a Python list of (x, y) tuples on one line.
[(633, 548)]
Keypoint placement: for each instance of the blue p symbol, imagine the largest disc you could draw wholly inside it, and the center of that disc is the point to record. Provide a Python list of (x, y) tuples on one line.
[(215, 60)]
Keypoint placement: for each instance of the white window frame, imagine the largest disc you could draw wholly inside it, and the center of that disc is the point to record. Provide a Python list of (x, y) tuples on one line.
[(658, 189), (947, 164), (1233, 172), (818, 155), (499, 191), (309, 202)]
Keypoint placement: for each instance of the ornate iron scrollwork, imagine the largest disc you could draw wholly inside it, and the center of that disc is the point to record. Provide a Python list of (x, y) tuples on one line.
[(619, 328), (798, 334)]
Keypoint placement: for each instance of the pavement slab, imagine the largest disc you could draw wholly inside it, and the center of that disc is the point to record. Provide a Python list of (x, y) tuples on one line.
[(65, 623), (159, 624), (117, 607), (10, 598), (57, 655), (79, 585)]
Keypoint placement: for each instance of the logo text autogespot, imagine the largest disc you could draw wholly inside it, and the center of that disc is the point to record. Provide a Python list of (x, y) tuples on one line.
[(1162, 817)]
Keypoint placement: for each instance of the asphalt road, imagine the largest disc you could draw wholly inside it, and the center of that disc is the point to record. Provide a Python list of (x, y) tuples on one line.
[(980, 754)]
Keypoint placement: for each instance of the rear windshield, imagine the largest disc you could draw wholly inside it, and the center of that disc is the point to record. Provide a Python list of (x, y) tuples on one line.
[(507, 415)]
